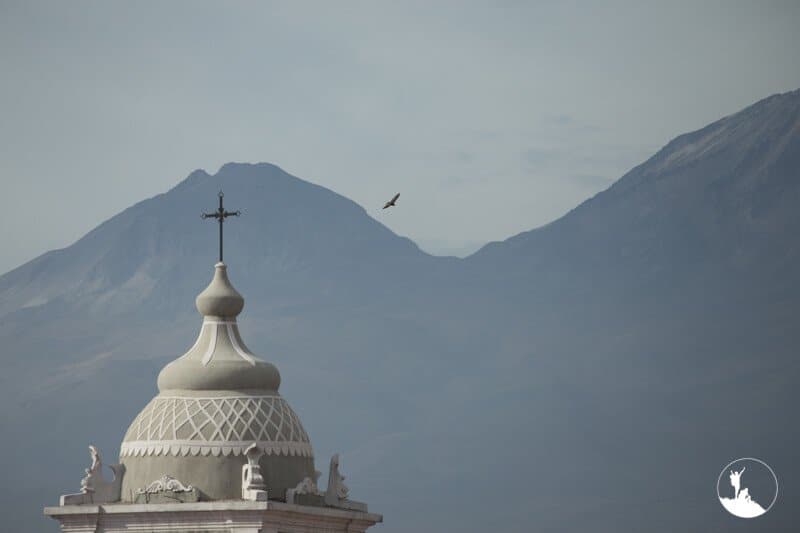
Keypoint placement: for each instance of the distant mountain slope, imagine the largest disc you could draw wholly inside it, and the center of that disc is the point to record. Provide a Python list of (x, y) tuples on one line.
[(667, 307), (590, 375), (725, 194)]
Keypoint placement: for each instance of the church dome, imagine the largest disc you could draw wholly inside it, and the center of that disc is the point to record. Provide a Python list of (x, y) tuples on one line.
[(215, 401)]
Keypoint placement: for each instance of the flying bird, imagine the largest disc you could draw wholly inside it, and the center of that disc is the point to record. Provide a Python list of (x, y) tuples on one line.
[(391, 203)]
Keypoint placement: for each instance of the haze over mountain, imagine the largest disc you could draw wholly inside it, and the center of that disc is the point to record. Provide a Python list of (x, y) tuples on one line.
[(595, 373)]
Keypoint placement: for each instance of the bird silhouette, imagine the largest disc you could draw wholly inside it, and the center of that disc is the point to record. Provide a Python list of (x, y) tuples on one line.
[(391, 203)]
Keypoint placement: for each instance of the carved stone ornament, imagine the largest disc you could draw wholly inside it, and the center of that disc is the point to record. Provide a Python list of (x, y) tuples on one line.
[(336, 495), (306, 492), (94, 487), (163, 484), (308, 485), (337, 490), (253, 486)]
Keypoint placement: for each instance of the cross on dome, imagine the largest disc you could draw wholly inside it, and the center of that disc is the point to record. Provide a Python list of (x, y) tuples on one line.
[(220, 214)]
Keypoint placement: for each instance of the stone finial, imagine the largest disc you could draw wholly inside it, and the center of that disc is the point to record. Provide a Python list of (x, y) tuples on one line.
[(336, 487), (87, 483), (94, 487), (253, 486), (336, 495), (220, 299)]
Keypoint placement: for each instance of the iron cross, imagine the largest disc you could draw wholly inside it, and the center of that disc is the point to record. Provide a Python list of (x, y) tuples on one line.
[(220, 214)]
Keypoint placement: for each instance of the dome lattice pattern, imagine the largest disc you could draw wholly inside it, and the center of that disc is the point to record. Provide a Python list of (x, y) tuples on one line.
[(176, 425)]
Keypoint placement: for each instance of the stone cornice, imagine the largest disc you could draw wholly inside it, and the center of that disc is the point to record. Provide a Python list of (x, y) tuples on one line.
[(208, 516)]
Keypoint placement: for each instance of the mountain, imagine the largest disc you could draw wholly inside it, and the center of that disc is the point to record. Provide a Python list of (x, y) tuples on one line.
[(665, 309), (595, 373)]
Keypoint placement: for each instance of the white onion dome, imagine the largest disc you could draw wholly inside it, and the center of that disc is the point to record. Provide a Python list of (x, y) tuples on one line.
[(215, 401), (219, 359)]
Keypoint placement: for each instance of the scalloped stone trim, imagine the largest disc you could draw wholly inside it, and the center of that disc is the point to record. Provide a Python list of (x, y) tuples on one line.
[(215, 449)]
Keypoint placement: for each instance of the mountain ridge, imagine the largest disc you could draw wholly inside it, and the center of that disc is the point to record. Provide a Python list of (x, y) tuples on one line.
[(108, 263)]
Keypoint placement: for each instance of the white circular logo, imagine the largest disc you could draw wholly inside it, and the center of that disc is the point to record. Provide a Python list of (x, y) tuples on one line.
[(747, 487)]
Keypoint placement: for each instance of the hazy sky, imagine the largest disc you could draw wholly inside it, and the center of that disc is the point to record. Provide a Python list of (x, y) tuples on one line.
[(490, 118)]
